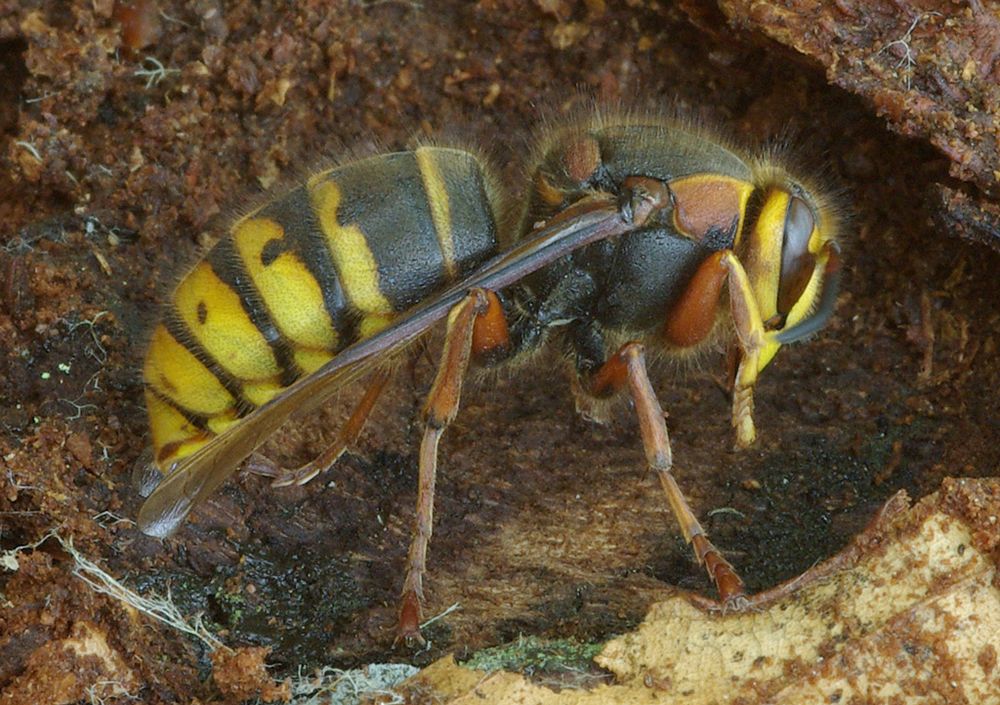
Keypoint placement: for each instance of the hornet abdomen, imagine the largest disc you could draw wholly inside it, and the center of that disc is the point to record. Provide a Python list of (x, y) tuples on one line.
[(310, 272)]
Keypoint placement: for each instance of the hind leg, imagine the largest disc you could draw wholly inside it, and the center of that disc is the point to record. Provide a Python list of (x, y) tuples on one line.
[(439, 411), (348, 436)]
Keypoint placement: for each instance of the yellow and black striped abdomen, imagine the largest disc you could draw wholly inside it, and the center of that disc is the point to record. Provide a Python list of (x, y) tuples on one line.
[(329, 263)]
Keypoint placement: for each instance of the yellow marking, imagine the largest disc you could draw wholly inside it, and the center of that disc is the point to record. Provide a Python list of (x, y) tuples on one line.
[(437, 199), (174, 371), (311, 360), (745, 189), (810, 295), (370, 325), (757, 344), (259, 393), (764, 251), (293, 297), (817, 239), (218, 424), (767, 352), (214, 315), (549, 194), (318, 178), (170, 430), (349, 249)]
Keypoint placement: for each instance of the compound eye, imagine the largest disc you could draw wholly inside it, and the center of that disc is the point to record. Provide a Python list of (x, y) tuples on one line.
[(797, 263)]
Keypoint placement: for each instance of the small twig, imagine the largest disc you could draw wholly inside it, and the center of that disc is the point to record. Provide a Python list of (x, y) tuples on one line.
[(155, 74), (78, 414), (40, 98), (909, 58), (16, 485), (726, 510), (170, 18), (115, 519), (21, 513), (442, 615), (30, 148)]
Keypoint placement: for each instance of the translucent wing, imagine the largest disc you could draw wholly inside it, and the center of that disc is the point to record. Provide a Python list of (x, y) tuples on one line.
[(195, 477)]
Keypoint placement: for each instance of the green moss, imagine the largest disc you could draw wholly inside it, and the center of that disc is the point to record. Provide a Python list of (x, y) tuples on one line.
[(531, 655), (230, 605)]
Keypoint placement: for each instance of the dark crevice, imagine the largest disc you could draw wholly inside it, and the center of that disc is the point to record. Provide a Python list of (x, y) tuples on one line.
[(14, 73)]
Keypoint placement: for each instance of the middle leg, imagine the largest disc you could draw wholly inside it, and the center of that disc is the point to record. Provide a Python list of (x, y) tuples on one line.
[(628, 368)]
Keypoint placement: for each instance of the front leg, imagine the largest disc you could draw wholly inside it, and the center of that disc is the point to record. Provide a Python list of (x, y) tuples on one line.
[(691, 319), (753, 339)]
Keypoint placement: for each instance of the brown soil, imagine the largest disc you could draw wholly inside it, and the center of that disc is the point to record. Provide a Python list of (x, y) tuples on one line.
[(545, 524)]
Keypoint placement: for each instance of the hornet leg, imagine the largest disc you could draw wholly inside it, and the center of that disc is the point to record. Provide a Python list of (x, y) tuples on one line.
[(439, 411), (628, 366), (348, 436), (691, 319), (750, 333)]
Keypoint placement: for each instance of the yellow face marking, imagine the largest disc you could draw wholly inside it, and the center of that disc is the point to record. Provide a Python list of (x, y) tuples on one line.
[(174, 437), (764, 251), (174, 371), (293, 297), (311, 360), (349, 249), (216, 318), (437, 199), (810, 295)]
